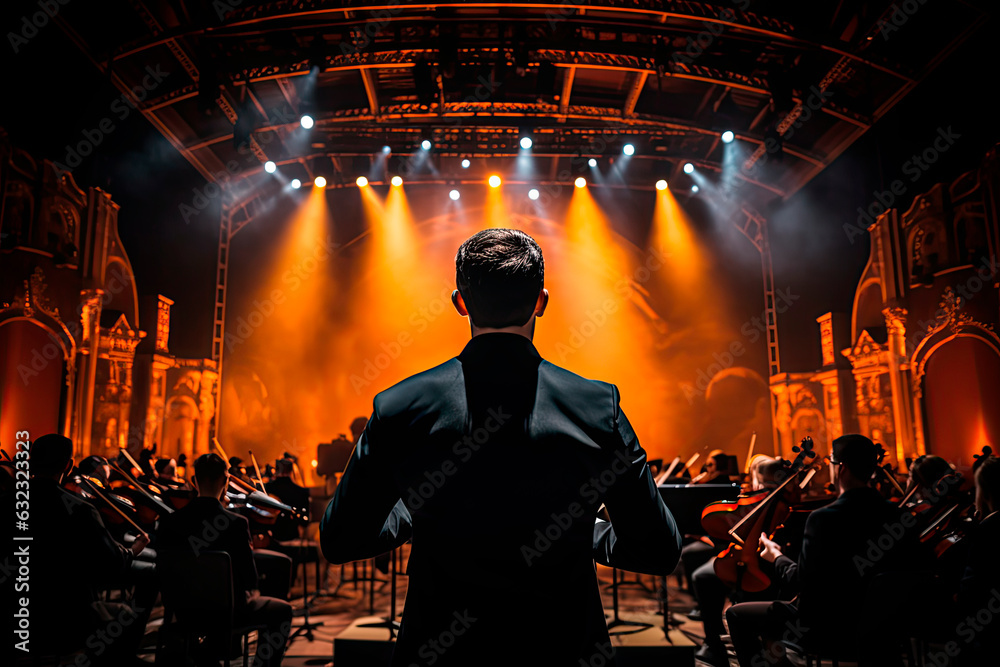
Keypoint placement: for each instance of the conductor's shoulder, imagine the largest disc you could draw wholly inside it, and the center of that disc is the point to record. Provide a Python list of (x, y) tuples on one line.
[(566, 386), (414, 391)]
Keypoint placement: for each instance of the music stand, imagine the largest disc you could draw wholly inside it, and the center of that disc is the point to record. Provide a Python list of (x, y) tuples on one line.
[(391, 623), (616, 620)]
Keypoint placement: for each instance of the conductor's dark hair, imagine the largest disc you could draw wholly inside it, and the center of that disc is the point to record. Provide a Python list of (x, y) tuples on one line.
[(209, 468), (499, 273), (50, 454)]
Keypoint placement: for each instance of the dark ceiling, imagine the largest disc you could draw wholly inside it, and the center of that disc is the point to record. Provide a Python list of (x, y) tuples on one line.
[(798, 82)]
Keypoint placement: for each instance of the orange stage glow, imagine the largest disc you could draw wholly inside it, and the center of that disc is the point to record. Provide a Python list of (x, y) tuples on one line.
[(380, 310)]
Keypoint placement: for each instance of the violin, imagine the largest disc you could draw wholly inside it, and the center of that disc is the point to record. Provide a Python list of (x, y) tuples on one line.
[(954, 518), (739, 565)]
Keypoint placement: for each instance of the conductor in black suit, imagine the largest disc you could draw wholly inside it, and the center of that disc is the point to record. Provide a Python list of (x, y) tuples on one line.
[(205, 525), (495, 464)]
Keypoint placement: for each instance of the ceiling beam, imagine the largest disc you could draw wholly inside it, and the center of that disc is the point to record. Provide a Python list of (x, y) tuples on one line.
[(638, 82), (567, 89)]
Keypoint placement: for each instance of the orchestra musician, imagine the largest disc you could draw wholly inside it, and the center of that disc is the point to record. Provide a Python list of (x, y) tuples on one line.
[(96, 467), (709, 591), (73, 559), (498, 461), (166, 474), (287, 491), (716, 469), (979, 587), (833, 571), (184, 533)]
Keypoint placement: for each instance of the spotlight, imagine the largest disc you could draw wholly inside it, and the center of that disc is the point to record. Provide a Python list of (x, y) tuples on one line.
[(296, 184), (592, 162), (426, 144), (397, 181), (628, 149), (269, 167), (532, 194), (306, 121), (525, 143), (386, 150), (728, 136), (661, 184), (494, 181), (466, 163), (694, 188), (580, 181), (320, 182), (454, 194), (362, 181), (688, 168)]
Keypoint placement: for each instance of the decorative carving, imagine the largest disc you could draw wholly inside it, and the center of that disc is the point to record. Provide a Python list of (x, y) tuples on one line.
[(826, 340), (90, 310), (866, 352), (895, 320), (33, 297)]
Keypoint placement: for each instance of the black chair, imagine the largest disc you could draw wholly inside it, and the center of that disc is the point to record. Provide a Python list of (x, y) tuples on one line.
[(198, 604)]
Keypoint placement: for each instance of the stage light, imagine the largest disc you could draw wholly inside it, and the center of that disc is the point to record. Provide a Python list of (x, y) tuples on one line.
[(532, 194), (466, 163), (628, 149), (320, 182), (306, 121), (269, 167), (728, 136), (386, 150), (454, 194), (296, 184), (425, 144), (397, 181), (580, 181), (694, 188), (592, 162), (688, 168), (661, 184), (494, 181), (362, 181), (525, 143)]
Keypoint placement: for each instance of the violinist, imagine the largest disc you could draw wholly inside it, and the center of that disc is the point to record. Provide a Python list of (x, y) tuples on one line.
[(96, 467), (834, 569), (716, 469), (287, 491), (204, 524), (166, 475), (929, 479), (66, 611), (708, 589), (979, 588)]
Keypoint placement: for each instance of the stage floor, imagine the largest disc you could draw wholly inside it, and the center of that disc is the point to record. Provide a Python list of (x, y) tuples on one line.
[(354, 601)]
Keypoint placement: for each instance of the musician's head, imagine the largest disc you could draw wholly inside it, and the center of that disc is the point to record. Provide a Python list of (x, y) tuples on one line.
[(51, 456), (165, 467), (766, 472), (96, 466), (929, 471), (717, 464), (988, 486), (211, 475), (855, 458), (500, 278), (283, 467)]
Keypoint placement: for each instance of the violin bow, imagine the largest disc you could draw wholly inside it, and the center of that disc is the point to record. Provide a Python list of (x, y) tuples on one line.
[(753, 441), (98, 493), (260, 480), (218, 445), (138, 487)]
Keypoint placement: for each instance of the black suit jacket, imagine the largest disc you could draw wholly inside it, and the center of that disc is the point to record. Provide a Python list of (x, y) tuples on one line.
[(205, 525), (845, 545), (495, 464)]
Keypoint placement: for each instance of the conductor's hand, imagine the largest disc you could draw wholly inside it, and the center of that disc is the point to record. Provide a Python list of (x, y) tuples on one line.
[(140, 543), (771, 549)]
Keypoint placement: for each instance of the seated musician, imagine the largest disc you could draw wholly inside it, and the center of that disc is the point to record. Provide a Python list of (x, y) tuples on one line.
[(166, 474), (833, 572), (708, 589), (96, 467), (73, 559), (932, 480), (979, 588), (287, 491), (227, 532), (716, 469)]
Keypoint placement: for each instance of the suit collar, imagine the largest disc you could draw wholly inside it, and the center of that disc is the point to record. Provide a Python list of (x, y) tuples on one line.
[(498, 346)]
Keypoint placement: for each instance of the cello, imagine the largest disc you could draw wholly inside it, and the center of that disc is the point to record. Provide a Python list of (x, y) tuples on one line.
[(739, 565)]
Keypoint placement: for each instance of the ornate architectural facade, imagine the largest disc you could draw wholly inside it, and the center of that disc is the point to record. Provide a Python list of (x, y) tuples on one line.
[(73, 358), (916, 366)]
